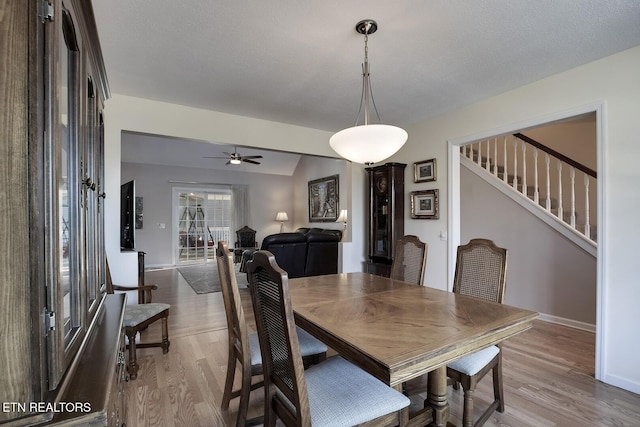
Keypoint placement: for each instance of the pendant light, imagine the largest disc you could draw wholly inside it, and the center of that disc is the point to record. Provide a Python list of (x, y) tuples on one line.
[(368, 143)]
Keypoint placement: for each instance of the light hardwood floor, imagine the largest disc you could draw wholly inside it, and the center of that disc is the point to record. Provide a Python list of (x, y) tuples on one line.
[(548, 373)]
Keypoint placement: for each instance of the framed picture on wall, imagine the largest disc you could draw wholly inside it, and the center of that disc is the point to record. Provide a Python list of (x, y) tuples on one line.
[(323, 199), (424, 171), (424, 204)]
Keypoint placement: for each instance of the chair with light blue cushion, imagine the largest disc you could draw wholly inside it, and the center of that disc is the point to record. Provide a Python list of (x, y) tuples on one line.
[(481, 271), (244, 347), (332, 393)]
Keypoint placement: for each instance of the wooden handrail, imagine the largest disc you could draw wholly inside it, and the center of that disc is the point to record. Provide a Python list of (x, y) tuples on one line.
[(560, 156)]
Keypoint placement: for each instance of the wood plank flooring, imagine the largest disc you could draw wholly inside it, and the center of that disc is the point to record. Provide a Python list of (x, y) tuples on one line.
[(548, 373)]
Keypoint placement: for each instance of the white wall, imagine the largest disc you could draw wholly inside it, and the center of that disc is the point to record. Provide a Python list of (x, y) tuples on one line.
[(268, 194), (612, 82)]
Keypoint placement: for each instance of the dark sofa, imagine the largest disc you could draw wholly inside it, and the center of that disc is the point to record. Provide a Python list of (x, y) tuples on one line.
[(305, 252)]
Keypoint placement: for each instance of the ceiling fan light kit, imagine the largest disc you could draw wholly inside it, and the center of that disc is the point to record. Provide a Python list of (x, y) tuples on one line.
[(368, 143), (235, 158)]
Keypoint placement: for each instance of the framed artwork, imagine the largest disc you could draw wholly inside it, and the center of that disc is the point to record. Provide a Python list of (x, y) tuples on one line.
[(323, 199), (424, 204), (424, 171)]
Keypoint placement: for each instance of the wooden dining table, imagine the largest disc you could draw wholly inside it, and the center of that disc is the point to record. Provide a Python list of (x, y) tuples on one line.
[(398, 331)]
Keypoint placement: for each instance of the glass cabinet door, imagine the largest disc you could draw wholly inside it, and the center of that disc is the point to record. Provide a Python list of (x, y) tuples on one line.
[(73, 162)]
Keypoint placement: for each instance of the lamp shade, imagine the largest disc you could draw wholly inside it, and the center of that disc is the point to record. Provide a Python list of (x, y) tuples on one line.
[(368, 144), (282, 216), (343, 216)]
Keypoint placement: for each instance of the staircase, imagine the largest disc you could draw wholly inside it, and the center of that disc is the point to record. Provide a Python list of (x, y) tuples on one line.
[(559, 190)]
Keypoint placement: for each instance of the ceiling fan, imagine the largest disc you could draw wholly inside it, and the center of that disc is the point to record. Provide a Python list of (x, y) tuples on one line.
[(235, 158)]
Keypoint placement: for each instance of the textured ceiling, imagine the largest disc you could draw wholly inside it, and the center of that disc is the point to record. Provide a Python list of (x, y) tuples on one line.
[(299, 62)]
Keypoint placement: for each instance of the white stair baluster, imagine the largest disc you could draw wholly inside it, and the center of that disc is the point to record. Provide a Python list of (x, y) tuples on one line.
[(536, 192), (515, 164), (487, 162), (505, 175), (587, 226), (479, 159), (524, 169), (572, 172), (547, 161), (495, 156), (560, 210)]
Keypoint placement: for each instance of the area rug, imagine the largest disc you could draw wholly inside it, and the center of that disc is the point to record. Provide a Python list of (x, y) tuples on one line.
[(203, 278)]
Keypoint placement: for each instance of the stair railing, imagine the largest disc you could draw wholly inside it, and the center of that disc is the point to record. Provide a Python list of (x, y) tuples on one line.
[(510, 162)]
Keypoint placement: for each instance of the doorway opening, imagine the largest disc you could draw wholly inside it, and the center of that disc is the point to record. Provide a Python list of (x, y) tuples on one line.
[(454, 203)]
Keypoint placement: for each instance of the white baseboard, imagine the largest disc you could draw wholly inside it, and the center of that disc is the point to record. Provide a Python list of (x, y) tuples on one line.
[(622, 383), (158, 266), (568, 322)]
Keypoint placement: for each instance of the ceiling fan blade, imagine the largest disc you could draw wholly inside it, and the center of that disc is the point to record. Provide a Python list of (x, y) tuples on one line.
[(230, 154), (251, 157), (212, 157), (250, 161), (228, 162)]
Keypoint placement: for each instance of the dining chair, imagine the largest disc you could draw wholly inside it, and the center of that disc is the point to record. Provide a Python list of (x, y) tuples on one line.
[(332, 393), (244, 347), (139, 314), (481, 269), (410, 260)]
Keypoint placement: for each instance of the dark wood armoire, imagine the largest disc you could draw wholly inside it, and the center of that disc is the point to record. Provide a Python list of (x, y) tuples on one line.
[(62, 341), (386, 215)]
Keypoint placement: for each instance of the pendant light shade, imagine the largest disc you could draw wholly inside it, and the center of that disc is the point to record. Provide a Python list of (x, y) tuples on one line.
[(368, 143)]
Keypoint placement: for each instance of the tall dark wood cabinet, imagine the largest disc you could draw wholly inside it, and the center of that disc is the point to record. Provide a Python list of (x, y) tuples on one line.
[(61, 339), (386, 215)]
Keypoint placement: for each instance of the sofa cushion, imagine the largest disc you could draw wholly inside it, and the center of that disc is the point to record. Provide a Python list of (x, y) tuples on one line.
[(282, 238)]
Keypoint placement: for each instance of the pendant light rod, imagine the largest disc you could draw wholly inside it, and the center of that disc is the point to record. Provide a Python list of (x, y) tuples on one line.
[(368, 143), (366, 27)]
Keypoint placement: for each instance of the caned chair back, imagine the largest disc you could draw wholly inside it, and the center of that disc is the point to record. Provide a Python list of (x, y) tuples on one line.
[(236, 325), (281, 358), (410, 260), (481, 270)]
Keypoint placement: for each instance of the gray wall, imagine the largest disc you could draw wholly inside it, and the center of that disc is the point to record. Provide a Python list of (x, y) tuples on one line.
[(545, 271)]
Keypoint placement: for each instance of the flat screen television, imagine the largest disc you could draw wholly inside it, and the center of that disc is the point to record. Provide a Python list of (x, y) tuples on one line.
[(127, 215)]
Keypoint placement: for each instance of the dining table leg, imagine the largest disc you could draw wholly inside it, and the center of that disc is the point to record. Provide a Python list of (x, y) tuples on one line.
[(437, 396)]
